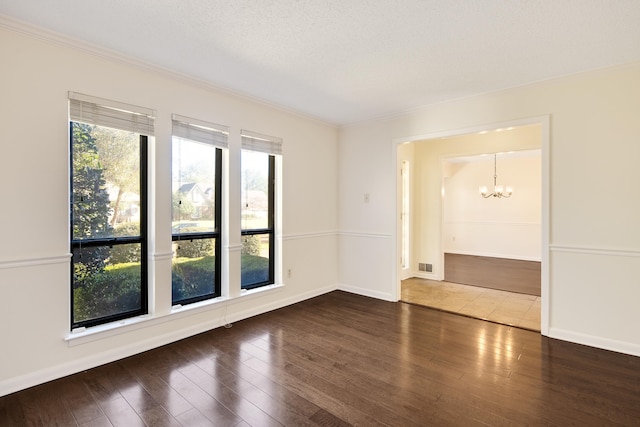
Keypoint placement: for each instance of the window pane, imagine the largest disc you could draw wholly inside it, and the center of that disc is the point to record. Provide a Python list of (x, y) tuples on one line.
[(255, 266), (255, 190), (106, 281), (107, 201), (193, 178), (193, 270), (106, 182)]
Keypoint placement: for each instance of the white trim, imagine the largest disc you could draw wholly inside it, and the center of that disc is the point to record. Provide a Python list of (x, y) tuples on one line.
[(473, 129), (99, 358), (386, 296), (595, 341), (309, 235), (365, 235), (58, 39), (86, 335), (162, 256), (424, 275), (595, 251), (545, 218), (35, 262), (544, 121), (513, 223), (288, 237)]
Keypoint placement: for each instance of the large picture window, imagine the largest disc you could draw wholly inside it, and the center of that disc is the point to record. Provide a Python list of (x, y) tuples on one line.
[(258, 209), (108, 210), (196, 209)]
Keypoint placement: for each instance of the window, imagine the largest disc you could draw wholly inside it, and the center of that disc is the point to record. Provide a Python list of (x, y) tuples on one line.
[(258, 207), (196, 209), (108, 209)]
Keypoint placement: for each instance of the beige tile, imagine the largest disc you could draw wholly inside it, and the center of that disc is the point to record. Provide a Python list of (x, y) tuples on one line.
[(452, 304), (533, 314), (489, 304), (524, 297), (479, 308), (529, 324), (506, 318), (495, 294), (537, 305), (485, 298), (515, 305)]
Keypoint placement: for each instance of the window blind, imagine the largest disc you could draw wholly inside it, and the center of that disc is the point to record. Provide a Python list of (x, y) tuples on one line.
[(256, 142), (200, 131), (113, 114)]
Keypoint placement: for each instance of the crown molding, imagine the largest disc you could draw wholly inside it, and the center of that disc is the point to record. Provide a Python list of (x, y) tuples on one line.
[(55, 38)]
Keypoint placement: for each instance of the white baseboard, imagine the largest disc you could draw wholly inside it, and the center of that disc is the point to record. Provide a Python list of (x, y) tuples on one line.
[(367, 292), (594, 341), (423, 275), (31, 379)]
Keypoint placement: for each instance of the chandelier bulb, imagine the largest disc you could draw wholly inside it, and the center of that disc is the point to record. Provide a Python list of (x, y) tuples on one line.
[(499, 191)]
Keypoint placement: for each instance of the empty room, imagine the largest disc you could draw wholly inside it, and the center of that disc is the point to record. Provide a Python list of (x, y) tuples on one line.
[(207, 217)]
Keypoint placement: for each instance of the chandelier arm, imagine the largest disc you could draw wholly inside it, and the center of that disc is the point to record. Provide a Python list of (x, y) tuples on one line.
[(497, 192)]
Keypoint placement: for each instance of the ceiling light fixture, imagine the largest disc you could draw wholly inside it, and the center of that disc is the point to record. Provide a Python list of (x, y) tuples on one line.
[(499, 191)]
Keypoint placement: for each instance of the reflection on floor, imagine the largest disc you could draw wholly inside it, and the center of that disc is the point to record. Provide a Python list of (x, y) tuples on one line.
[(508, 308)]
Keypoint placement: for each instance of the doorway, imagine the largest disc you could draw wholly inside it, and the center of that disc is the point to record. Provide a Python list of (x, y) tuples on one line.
[(431, 233)]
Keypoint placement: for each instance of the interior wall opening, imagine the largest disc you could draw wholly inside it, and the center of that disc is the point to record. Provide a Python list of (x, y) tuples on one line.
[(459, 249)]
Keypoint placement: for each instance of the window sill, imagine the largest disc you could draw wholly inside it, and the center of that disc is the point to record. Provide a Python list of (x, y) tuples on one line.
[(85, 335)]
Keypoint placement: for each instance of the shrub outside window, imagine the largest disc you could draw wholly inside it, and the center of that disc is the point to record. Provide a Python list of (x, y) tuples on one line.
[(258, 209), (108, 211), (196, 209)]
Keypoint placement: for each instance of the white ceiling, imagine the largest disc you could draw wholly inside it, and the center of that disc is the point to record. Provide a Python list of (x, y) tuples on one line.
[(345, 61)]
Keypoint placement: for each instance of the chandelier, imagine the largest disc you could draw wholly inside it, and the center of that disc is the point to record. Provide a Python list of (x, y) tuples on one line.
[(499, 191)]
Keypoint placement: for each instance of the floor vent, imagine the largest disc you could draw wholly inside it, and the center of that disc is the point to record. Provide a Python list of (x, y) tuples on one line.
[(425, 267)]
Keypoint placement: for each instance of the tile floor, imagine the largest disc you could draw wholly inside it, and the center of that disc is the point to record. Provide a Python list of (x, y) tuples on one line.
[(508, 308)]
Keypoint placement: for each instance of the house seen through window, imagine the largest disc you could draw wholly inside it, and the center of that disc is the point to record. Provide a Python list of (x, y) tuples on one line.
[(258, 176), (196, 209)]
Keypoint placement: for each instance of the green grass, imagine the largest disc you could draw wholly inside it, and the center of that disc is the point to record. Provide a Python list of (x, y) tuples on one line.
[(117, 288)]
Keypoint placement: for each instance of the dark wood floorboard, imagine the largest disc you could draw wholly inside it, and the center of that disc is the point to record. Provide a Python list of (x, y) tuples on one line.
[(340, 360), (505, 274)]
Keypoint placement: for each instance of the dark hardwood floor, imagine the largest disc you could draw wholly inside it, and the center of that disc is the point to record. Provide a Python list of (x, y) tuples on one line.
[(341, 359)]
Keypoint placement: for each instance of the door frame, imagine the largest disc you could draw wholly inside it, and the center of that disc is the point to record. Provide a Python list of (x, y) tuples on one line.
[(544, 122)]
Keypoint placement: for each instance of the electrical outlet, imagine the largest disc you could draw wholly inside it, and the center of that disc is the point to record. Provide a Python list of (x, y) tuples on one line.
[(289, 273)]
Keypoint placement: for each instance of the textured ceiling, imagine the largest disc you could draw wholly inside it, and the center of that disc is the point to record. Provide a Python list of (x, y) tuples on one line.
[(344, 61)]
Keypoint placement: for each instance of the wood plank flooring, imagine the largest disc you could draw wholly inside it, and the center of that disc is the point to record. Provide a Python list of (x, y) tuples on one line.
[(340, 360), (511, 275)]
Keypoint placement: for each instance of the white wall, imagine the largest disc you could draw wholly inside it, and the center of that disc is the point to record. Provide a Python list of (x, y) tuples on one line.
[(594, 199), (36, 74), (494, 227)]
